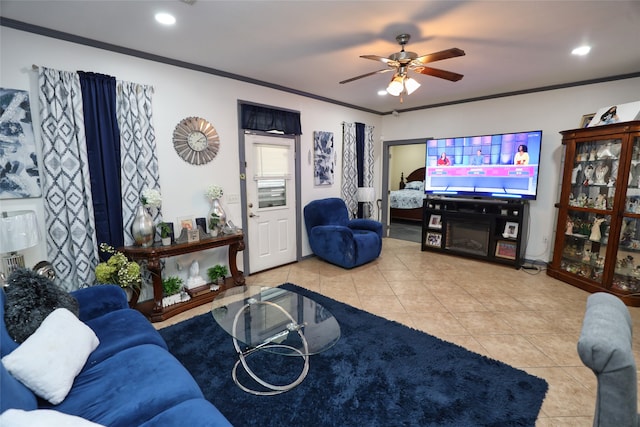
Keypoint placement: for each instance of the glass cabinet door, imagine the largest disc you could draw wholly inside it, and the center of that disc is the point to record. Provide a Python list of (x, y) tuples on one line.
[(626, 276), (591, 198), (585, 244)]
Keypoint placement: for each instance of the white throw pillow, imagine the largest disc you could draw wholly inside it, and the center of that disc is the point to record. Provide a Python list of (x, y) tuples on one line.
[(50, 359), (42, 418)]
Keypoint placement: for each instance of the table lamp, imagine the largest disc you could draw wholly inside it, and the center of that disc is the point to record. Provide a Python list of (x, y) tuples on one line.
[(18, 230), (366, 195)]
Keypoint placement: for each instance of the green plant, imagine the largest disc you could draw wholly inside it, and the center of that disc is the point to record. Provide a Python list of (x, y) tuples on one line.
[(165, 230), (171, 285), (118, 269), (214, 219), (217, 271)]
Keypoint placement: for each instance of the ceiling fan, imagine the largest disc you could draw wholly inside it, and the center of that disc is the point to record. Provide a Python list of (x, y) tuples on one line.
[(402, 62)]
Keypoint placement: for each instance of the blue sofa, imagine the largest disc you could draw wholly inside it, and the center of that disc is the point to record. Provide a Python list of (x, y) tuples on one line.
[(130, 379), (339, 240)]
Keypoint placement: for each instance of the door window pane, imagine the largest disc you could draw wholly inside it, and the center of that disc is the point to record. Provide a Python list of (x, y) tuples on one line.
[(271, 193)]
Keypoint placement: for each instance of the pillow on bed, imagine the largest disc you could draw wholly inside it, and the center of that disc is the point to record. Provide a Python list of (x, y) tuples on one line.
[(414, 185)]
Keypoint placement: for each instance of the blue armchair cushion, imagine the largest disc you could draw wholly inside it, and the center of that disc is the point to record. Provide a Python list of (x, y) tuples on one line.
[(339, 240)]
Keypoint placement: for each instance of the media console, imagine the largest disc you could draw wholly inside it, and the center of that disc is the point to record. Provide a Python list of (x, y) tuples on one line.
[(488, 229)]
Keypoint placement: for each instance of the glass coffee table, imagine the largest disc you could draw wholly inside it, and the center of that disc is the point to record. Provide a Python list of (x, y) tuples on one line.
[(275, 320)]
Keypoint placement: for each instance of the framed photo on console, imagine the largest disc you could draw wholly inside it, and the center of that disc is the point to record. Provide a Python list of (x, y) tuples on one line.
[(434, 239), (435, 222), (506, 249), (510, 230)]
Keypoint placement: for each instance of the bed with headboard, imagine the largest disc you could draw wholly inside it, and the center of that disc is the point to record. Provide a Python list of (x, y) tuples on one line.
[(406, 204)]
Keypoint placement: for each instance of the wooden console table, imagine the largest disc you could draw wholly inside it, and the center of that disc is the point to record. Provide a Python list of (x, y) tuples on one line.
[(151, 258)]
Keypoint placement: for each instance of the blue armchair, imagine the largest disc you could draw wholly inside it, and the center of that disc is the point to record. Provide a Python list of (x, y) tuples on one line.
[(339, 240)]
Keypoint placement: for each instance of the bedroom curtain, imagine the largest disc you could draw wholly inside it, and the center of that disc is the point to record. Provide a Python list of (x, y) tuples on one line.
[(103, 149), (357, 166), (68, 206), (138, 144)]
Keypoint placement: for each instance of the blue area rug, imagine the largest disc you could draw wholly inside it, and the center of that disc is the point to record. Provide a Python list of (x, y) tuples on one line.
[(380, 373)]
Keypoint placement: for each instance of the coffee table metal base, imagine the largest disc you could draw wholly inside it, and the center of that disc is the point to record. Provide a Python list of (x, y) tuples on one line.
[(269, 344)]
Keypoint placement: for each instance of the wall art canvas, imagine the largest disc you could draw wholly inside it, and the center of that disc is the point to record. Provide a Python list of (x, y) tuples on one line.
[(324, 158), (616, 114), (19, 173)]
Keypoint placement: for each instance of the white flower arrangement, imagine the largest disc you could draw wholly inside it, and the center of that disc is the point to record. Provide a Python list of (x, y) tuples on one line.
[(151, 198), (214, 192)]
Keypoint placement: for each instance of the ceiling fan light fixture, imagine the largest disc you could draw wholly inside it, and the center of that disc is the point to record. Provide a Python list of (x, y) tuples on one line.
[(396, 86), (411, 85)]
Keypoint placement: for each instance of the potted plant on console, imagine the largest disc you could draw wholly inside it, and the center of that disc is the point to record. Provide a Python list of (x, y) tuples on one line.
[(216, 275), (172, 291), (165, 233)]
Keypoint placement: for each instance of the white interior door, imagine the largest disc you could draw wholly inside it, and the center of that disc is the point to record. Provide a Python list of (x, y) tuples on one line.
[(270, 182)]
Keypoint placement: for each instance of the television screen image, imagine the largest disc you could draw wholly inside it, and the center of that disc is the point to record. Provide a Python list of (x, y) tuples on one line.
[(499, 165)]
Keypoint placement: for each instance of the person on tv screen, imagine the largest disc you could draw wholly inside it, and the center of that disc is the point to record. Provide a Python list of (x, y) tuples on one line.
[(444, 160), (477, 159), (522, 156)]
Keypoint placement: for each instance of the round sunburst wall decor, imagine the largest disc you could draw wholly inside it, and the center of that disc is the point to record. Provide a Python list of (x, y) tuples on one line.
[(196, 140)]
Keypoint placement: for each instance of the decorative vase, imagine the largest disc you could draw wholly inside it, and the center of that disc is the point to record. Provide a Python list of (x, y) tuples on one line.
[(166, 241), (142, 229), (216, 208)]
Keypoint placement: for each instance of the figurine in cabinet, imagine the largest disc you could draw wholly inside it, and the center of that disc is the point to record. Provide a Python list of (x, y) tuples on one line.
[(574, 174), (596, 234), (601, 202), (601, 173), (569, 229), (588, 175)]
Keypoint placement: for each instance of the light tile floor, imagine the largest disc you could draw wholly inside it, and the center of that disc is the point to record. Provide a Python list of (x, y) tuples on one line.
[(521, 317)]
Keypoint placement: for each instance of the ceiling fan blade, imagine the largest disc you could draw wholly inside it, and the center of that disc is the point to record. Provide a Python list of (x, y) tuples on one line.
[(435, 72), (389, 62), (439, 56), (366, 75)]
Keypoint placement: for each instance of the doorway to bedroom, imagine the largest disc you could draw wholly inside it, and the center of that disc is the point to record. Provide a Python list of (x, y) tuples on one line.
[(402, 183)]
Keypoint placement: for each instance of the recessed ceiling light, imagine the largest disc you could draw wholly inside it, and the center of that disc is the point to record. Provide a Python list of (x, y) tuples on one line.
[(581, 50), (165, 18), (382, 92)]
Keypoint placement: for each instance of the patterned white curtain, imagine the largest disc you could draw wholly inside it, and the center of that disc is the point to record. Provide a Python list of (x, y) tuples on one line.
[(138, 147), (69, 215), (368, 165), (349, 168)]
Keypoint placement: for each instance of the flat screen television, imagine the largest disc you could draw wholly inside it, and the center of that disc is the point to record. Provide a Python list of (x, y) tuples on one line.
[(504, 165)]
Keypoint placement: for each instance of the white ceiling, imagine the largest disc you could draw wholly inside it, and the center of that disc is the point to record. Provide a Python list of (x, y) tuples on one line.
[(309, 46)]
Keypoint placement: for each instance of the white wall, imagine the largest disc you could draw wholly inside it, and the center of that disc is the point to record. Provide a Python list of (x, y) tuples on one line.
[(179, 93), (551, 111)]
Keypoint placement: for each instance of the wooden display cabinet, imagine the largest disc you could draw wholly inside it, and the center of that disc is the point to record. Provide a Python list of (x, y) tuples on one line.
[(597, 242)]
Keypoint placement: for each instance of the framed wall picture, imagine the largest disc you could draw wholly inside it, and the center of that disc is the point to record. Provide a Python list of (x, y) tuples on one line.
[(510, 230), (324, 158), (586, 119), (434, 239), (506, 249), (435, 222), (19, 172)]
